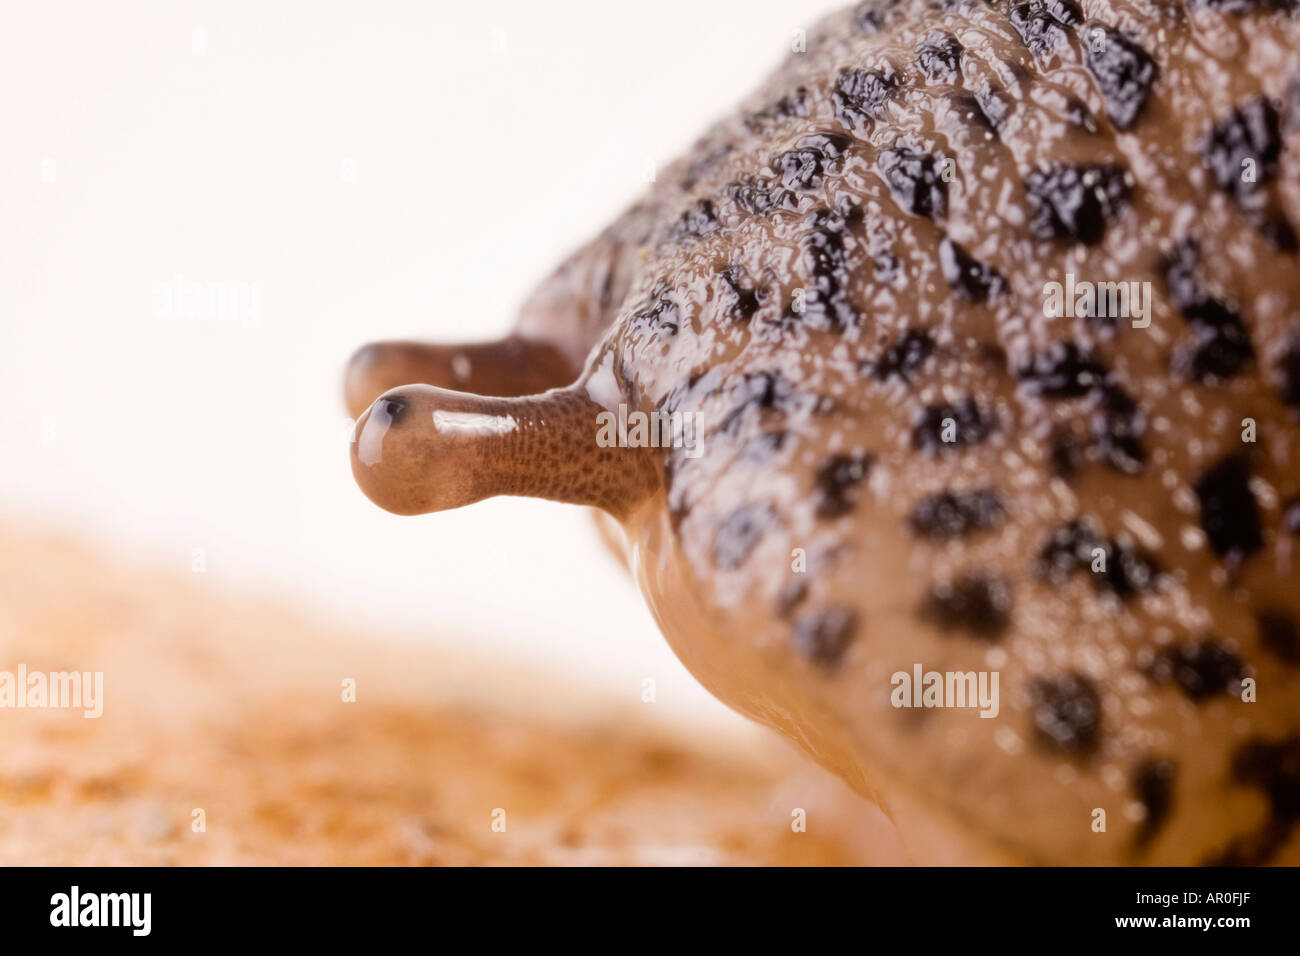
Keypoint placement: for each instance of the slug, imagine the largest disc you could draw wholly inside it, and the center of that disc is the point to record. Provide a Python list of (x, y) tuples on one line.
[(975, 338)]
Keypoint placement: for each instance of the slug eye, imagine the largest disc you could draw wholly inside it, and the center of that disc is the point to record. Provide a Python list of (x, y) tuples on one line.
[(388, 411)]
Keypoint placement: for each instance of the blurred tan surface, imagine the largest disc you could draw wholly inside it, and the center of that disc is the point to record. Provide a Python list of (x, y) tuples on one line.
[(235, 707)]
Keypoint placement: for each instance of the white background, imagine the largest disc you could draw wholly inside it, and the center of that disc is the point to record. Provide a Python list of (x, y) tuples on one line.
[(376, 170)]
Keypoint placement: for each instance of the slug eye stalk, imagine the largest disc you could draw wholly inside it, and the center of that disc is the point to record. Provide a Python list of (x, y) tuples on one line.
[(419, 448)]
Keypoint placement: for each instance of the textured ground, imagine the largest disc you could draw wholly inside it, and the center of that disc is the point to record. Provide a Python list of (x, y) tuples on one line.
[(234, 707)]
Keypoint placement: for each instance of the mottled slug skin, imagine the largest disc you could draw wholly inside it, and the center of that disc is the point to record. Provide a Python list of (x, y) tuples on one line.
[(860, 324)]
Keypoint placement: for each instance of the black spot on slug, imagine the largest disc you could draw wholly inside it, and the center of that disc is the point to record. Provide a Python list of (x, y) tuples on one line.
[(1067, 713), (1279, 634), (741, 303), (1063, 371), (1275, 228), (1067, 550), (1121, 570), (1202, 668), (697, 221), (1289, 370), (1066, 12), (796, 103), (738, 534), (1074, 202), (1117, 427), (941, 428), (902, 357), (1229, 512), (823, 636), (1219, 345), (1124, 72), (1064, 454), (1153, 783), (804, 166), (827, 305), (949, 515), (1247, 140), (976, 602), (860, 95), (759, 197), (658, 312), (756, 392), (939, 57), (1042, 23), (1216, 351), (969, 278), (869, 15), (1180, 269), (1274, 768), (836, 483), (915, 180)]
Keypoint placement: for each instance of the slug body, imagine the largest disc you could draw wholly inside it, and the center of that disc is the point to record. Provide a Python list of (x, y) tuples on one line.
[(933, 434)]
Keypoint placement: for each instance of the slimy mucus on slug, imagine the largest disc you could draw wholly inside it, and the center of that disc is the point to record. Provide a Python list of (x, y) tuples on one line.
[(969, 485)]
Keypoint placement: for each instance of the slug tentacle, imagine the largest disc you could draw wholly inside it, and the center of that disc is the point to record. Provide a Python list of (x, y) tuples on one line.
[(419, 449), (510, 366)]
